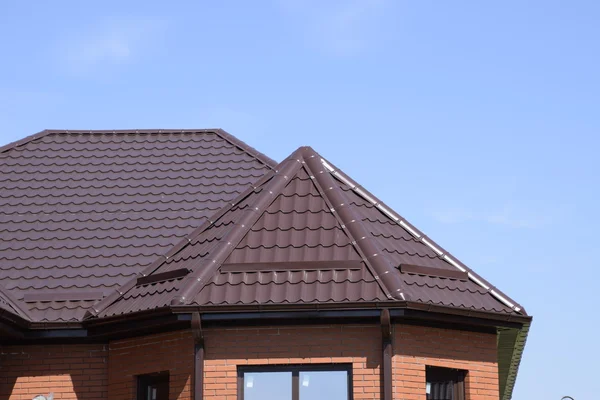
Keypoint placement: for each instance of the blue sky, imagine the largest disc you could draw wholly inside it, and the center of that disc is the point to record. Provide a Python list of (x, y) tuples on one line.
[(477, 121)]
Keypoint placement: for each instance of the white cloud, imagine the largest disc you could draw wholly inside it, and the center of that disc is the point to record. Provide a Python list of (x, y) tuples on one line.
[(340, 28), (110, 43)]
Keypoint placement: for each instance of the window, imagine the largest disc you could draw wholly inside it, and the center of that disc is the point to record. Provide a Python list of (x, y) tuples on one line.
[(304, 382), (153, 386), (445, 383)]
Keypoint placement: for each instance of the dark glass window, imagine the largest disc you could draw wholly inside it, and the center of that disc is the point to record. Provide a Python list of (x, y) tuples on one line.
[(305, 382), (153, 386), (445, 383)]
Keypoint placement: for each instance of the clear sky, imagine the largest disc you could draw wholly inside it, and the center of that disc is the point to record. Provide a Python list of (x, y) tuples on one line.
[(478, 121)]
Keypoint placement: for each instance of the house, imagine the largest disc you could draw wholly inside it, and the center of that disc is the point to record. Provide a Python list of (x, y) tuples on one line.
[(184, 264)]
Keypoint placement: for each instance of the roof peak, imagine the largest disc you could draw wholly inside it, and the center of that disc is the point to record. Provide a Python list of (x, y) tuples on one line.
[(341, 197)]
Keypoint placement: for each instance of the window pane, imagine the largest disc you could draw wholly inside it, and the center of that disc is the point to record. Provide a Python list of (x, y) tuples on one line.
[(268, 386), (444, 383), (324, 385)]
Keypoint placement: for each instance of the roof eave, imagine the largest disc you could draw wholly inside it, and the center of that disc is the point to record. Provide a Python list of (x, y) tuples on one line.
[(499, 317)]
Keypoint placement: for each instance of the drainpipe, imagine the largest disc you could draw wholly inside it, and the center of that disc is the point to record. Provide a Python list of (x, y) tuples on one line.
[(198, 356), (386, 357)]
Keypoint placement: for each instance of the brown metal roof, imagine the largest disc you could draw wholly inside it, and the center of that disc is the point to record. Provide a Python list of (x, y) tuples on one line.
[(85, 211), (284, 230), (112, 222), (105, 223)]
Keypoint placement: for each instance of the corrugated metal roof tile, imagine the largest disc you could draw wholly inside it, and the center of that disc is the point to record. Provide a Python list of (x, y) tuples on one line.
[(89, 210), (299, 225)]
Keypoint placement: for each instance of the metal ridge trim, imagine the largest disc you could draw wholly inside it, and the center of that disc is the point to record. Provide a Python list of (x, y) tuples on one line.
[(385, 274), (268, 161), (25, 140), (195, 281), (503, 298)]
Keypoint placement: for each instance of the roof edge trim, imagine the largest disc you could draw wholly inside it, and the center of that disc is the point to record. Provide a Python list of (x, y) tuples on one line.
[(503, 298)]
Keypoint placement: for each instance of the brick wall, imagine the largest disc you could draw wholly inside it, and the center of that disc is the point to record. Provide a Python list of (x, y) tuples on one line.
[(228, 348), (70, 371), (416, 347), (100, 372), (173, 352)]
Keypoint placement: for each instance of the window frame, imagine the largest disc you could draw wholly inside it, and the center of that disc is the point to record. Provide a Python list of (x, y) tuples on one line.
[(460, 375), (143, 381), (295, 369)]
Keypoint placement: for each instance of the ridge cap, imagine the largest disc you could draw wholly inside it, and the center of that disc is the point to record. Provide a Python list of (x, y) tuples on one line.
[(377, 262), (411, 229), (194, 282), (25, 140)]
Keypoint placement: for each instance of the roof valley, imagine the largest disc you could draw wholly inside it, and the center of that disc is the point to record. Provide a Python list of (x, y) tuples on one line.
[(128, 190), (195, 281)]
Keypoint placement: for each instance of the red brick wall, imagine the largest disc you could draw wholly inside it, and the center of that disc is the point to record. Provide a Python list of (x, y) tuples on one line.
[(415, 347), (173, 352), (70, 371), (100, 372), (228, 348)]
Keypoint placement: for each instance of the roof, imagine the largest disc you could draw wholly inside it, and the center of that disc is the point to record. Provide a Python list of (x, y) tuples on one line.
[(98, 224), (305, 234), (82, 212)]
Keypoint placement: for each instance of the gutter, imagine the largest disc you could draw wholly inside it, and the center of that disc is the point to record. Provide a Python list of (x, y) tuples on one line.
[(396, 307), (399, 310)]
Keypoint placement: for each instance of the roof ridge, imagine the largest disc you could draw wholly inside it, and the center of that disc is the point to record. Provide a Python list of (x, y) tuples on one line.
[(25, 140), (379, 265), (195, 281), (447, 256), (266, 160)]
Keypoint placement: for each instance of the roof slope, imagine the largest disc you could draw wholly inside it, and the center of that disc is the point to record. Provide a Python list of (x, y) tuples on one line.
[(81, 212), (305, 233)]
